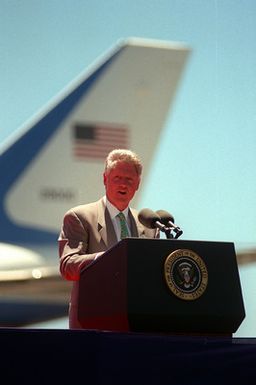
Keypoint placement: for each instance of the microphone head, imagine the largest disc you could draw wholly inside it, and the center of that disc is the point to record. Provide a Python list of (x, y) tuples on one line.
[(165, 217), (148, 218)]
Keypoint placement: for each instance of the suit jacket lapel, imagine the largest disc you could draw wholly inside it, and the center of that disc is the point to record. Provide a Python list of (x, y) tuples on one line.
[(106, 229), (137, 229), (105, 225)]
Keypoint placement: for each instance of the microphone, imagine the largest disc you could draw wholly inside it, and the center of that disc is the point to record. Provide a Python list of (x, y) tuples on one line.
[(151, 220), (168, 220)]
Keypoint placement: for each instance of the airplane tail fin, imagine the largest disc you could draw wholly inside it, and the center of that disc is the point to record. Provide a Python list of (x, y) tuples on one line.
[(55, 161)]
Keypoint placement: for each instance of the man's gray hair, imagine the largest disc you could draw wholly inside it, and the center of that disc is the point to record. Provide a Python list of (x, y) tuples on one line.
[(122, 155)]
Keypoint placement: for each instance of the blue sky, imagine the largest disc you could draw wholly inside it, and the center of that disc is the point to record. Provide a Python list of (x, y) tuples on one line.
[(204, 167)]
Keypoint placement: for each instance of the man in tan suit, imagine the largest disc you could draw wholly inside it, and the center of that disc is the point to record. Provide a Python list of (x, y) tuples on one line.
[(91, 229)]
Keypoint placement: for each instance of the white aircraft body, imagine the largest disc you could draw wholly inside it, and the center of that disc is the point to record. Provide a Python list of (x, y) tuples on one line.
[(55, 161)]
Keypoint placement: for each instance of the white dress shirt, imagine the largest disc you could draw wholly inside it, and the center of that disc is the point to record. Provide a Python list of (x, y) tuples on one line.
[(113, 212)]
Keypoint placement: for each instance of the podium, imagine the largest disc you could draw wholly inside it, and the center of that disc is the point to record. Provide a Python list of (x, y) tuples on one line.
[(163, 286)]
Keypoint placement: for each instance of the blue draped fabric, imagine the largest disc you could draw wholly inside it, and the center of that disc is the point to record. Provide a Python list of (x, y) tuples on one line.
[(33, 356)]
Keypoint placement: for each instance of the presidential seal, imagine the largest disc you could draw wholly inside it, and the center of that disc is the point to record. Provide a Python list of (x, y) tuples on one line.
[(185, 274)]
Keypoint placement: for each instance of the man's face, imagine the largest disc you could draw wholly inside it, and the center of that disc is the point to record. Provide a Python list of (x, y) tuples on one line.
[(121, 183)]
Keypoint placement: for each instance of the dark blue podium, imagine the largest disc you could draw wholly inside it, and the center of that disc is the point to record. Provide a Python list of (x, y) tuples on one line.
[(163, 286)]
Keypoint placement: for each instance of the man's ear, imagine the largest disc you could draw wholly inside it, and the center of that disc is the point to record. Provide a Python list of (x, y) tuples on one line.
[(104, 178), (138, 184)]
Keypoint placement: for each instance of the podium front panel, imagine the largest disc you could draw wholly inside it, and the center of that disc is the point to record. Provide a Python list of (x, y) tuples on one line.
[(153, 306), (126, 289)]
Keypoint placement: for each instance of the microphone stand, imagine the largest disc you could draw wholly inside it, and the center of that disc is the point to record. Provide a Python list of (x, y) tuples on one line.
[(167, 231), (178, 232)]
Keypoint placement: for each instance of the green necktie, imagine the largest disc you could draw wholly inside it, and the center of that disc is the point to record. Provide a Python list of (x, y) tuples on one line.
[(123, 224)]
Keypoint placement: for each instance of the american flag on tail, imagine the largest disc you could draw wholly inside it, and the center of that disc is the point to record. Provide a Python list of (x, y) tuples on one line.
[(95, 141)]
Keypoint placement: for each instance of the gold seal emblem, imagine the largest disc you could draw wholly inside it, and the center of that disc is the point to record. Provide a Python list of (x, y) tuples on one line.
[(185, 274)]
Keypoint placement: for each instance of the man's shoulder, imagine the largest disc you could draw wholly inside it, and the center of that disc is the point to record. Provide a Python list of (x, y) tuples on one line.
[(134, 212), (85, 208), (143, 230)]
